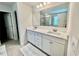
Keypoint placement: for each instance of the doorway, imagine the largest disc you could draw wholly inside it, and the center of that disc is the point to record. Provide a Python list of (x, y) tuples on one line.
[(3, 30), (8, 31)]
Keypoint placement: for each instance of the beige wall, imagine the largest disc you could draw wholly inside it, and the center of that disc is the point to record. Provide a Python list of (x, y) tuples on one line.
[(73, 24), (24, 13), (36, 17)]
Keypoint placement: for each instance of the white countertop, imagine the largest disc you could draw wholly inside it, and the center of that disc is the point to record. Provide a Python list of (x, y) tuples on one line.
[(44, 31)]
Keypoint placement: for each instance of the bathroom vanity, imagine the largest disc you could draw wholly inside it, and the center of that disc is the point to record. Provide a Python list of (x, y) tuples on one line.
[(52, 43), (51, 35)]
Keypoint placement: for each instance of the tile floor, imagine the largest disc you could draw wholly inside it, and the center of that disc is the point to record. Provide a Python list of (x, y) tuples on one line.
[(3, 51), (13, 48)]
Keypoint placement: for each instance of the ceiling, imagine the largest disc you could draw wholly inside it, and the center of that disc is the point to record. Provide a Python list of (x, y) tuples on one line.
[(33, 4)]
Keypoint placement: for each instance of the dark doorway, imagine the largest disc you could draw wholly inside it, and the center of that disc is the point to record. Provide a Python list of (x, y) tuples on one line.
[(3, 30)]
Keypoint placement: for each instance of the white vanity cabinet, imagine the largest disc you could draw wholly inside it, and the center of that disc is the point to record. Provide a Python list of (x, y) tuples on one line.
[(37, 37), (34, 38), (30, 36), (46, 45), (57, 49), (50, 44)]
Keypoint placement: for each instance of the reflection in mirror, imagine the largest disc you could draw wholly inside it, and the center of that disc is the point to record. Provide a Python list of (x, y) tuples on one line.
[(56, 17)]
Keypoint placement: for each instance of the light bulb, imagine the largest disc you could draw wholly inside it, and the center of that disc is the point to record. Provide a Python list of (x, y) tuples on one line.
[(37, 6), (44, 3), (41, 5)]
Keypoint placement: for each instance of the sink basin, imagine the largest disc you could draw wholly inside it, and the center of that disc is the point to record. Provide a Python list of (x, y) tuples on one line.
[(54, 33), (34, 28)]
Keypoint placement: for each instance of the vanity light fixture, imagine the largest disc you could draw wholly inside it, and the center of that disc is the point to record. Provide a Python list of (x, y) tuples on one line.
[(42, 4)]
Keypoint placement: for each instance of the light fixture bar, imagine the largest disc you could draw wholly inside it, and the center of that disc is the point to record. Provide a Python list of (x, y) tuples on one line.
[(42, 4)]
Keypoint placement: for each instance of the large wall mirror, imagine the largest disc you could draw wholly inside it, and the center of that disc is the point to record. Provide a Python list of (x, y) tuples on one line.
[(56, 16)]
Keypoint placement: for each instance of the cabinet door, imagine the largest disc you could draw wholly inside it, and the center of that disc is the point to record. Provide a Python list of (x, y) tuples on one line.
[(46, 45), (57, 49), (37, 39), (30, 36)]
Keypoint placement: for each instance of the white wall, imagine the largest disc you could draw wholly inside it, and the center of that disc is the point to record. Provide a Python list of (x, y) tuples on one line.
[(24, 14), (5, 8), (73, 43), (36, 17)]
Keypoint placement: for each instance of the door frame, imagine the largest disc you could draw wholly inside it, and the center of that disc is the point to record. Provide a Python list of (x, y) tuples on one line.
[(17, 27)]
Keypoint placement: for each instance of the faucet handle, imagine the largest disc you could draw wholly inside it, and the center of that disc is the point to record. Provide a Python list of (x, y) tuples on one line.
[(55, 30)]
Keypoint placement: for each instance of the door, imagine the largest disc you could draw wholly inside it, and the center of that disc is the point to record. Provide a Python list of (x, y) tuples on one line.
[(15, 26), (46, 45), (30, 36), (37, 39), (9, 27), (57, 49)]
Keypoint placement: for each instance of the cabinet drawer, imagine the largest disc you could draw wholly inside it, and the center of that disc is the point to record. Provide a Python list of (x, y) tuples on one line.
[(59, 40), (52, 38)]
